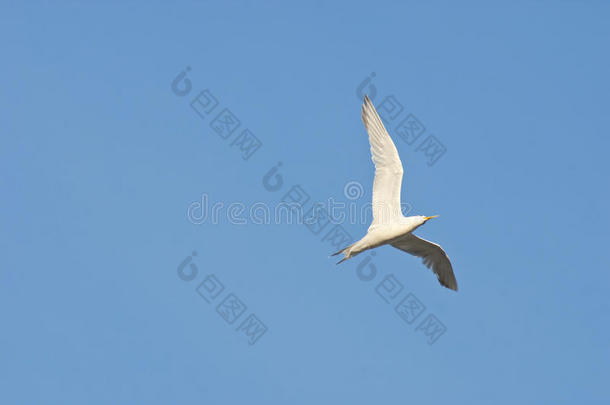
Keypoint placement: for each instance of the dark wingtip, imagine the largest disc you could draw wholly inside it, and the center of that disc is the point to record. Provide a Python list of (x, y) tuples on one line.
[(450, 287)]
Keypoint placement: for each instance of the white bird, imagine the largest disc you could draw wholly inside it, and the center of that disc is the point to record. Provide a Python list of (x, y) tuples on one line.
[(389, 226)]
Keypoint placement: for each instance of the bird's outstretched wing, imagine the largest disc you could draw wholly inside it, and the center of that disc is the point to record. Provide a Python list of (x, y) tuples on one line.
[(388, 168), (434, 257)]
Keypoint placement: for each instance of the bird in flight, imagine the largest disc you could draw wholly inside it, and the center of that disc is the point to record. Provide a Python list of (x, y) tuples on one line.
[(389, 226)]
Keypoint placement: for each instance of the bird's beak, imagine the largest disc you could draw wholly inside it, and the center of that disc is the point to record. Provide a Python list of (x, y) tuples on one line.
[(433, 216)]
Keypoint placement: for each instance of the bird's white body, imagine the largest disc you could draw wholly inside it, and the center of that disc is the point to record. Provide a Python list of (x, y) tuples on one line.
[(389, 226), (383, 234)]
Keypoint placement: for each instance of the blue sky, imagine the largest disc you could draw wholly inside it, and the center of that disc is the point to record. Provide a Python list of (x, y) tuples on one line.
[(101, 158)]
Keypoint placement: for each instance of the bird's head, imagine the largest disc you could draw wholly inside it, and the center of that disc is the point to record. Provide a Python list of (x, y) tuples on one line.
[(425, 219)]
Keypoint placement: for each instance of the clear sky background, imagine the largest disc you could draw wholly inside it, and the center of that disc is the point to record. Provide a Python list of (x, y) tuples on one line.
[(100, 160)]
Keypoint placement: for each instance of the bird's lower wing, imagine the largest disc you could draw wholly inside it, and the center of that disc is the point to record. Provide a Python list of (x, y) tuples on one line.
[(434, 257)]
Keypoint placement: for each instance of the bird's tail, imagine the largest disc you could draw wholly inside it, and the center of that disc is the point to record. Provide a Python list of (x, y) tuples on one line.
[(346, 251)]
